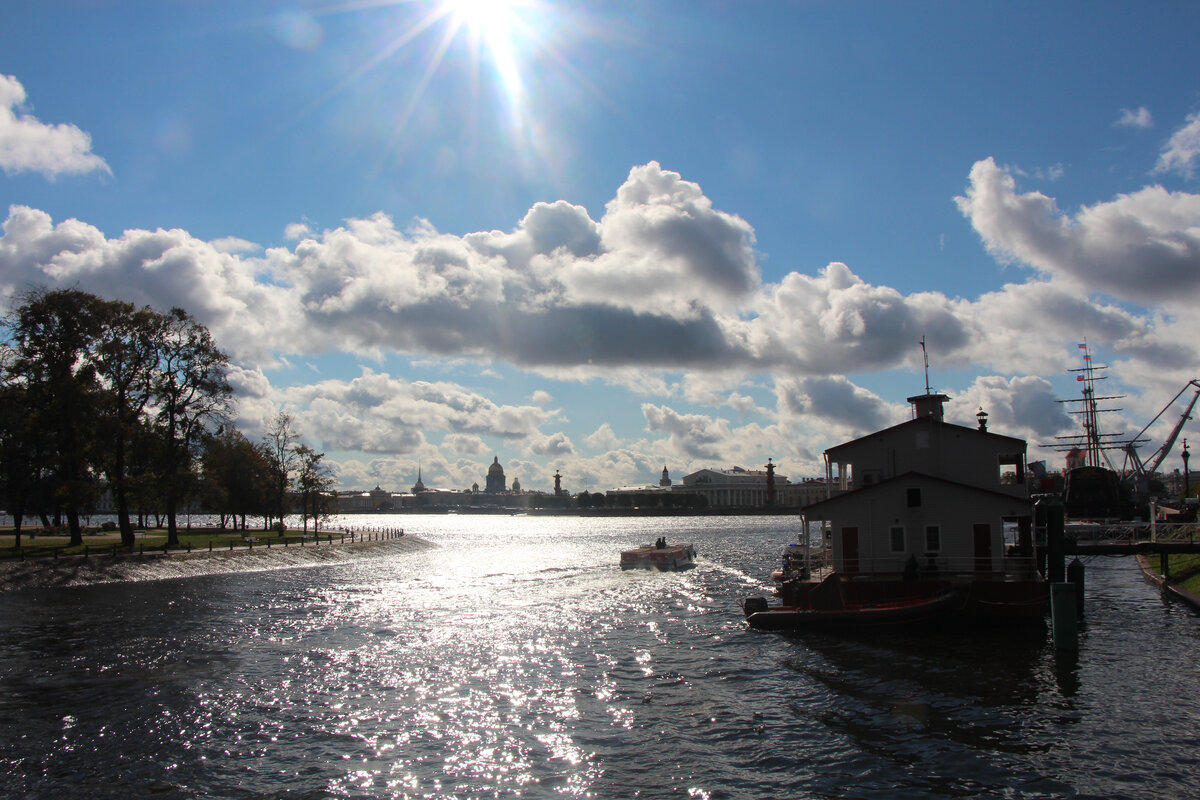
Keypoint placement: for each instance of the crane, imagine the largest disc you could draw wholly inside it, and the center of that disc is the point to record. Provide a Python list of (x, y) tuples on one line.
[(1143, 470)]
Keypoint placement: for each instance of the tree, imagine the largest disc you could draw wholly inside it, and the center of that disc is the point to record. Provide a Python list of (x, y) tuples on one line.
[(314, 483), (281, 451), (92, 386), (143, 480), (126, 361), (20, 467), (191, 396), (54, 336), (236, 477)]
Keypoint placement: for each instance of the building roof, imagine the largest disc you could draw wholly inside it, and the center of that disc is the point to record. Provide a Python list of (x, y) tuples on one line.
[(862, 493), (926, 422)]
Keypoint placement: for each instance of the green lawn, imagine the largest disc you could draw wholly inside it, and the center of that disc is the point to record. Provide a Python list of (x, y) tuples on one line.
[(1186, 567), (97, 542)]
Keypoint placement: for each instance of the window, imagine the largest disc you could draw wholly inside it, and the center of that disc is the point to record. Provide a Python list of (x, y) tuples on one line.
[(933, 538), (1012, 469), (914, 498), (897, 535)]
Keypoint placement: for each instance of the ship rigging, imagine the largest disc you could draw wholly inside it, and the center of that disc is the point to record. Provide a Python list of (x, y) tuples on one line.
[(1094, 486)]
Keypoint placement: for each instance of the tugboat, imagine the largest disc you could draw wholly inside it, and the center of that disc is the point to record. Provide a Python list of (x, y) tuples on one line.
[(931, 521)]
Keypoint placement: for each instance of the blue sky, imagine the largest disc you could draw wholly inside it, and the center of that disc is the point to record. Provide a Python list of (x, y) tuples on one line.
[(604, 237)]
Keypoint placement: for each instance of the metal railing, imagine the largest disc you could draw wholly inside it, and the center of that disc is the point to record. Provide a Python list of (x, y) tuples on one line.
[(1175, 532), (348, 534), (945, 567), (1131, 533)]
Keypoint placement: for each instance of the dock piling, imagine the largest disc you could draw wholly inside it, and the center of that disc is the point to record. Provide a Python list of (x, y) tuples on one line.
[(1063, 619), (1075, 576)]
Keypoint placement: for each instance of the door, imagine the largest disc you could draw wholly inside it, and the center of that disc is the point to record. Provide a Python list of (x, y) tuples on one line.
[(849, 550), (983, 547)]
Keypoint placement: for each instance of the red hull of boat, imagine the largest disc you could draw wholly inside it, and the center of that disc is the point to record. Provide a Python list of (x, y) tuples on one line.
[(901, 612)]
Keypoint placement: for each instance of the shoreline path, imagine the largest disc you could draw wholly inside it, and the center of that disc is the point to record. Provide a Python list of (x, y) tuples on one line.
[(78, 570)]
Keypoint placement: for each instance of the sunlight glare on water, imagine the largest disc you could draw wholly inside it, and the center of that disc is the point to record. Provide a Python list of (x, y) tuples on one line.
[(517, 660)]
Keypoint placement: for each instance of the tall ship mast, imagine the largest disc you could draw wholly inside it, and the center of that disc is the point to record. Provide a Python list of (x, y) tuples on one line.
[(1092, 487), (1092, 442)]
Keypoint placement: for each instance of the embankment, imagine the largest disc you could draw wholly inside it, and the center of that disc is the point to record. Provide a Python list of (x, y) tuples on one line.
[(1168, 587), (85, 570)]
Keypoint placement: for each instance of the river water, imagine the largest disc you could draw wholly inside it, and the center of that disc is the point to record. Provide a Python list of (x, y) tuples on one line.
[(516, 660)]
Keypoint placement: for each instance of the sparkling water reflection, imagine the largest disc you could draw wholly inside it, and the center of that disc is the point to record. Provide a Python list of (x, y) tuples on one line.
[(517, 660)]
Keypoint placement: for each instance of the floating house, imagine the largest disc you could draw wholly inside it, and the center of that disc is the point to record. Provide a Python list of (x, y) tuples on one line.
[(933, 519), (950, 496)]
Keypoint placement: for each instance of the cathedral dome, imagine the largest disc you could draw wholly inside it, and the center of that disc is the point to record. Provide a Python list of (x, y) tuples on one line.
[(495, 477)]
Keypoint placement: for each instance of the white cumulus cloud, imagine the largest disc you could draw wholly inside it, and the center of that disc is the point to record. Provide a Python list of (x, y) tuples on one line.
[(1142, 247), (1139, 117), (1180, 152), (663, 296), (29, 145)]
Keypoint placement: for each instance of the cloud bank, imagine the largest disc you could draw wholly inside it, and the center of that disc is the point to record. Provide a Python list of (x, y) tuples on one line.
[(662, 294), (1143, 247)]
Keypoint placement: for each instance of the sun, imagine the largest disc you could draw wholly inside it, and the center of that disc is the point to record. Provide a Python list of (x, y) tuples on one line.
[(494, 26), (481, 15), (501, 48)]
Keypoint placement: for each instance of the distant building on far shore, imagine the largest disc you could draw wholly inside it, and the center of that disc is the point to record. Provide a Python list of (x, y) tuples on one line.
[(495, 496), (495, 478), (733, 488), (356, 502)]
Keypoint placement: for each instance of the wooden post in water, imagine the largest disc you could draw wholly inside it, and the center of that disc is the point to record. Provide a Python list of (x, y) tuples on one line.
[(1075, 576), (1048, 514), (1063, 620)]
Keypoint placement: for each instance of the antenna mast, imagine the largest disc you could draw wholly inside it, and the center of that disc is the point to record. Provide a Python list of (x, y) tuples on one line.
[(925, 355)]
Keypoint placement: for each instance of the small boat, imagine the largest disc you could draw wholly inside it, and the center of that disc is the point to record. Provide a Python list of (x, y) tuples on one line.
[(904, 611), (794, 564), (660, 556)]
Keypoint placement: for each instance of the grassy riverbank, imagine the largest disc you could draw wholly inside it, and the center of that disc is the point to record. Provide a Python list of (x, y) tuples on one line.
[(1185, 570), (37, 544), (100, 564)]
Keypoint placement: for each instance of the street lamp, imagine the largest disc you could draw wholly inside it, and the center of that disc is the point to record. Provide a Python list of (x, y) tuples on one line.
[(1187, 489)]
